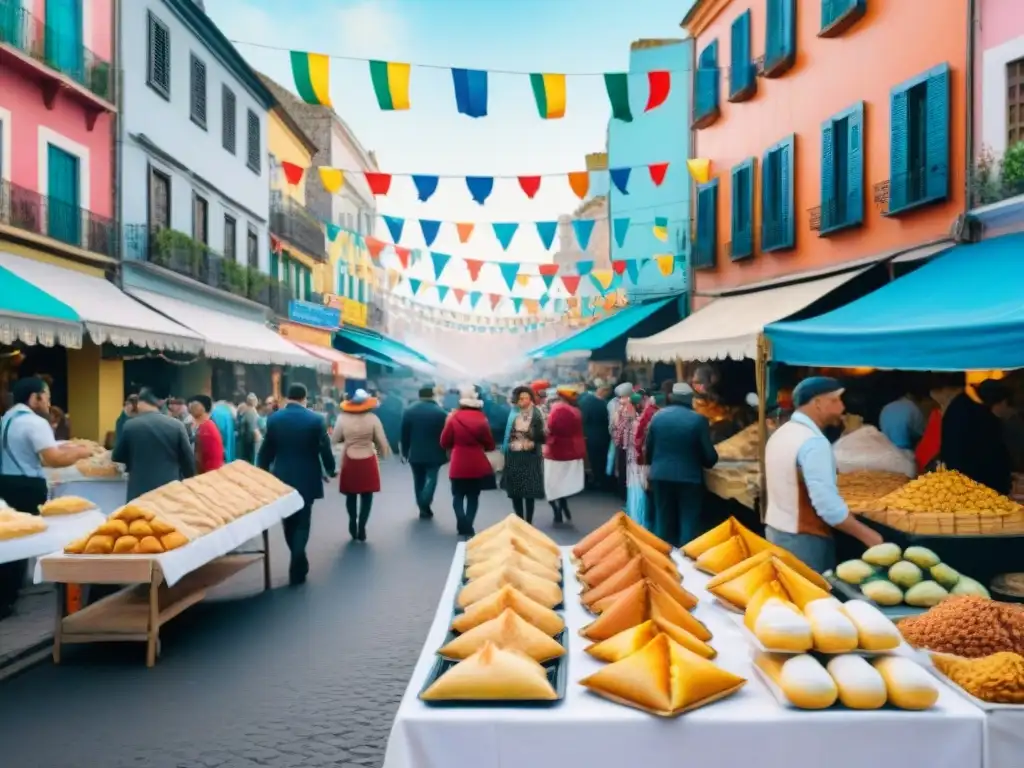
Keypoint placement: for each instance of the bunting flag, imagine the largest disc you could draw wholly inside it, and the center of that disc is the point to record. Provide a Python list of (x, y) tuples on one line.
[(546, 231), (549, 93), (442, 291), (379, 183), (390, 84), (333, 230), (657, 171), (523, 279), (548, 281), (395, 226), (661, 228), (583, 228), (666, 263), (470, 91), (495, 299), (403, 256), (375, 246), (620, 178), (312, 75), (440, 261), (394, 278), (659, 84), (618, 267), (505, 231), (603, 280), (617, 86), (548, 270), (426, 186), (517, 304), (584, 268), (509, 270), (414, 285), (530, 185), (459, 294), (700, 169), (633, 267), (474, 298), (579, 183), (531, 306), (292, 173), (429, 229), (480, 187), (332, 179), (474, 266), (571, 283), (620, 228), (465, 231)]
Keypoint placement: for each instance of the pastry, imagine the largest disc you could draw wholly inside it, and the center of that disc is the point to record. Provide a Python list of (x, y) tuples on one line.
[(133, 511), (780, 626), (492, 606), (15, 525), (832, 629), (508, 540), (801, 591), (721, 534), (907, 685), (512, 525), (541, 590), (635, 605), (874, 630), (99, 544), (745, 582), (610, 545), (520, 561), (663, 678), (493, 674), (77, 546), (767, 554), (509, 631), (860, 685), (140, 528), (802, 679), (635, 570), (173, 540), (150, 545), (730, 552), (112, 527), (161, 527), (65, 505), (669, 584), (620, 521), (125, 545), (631, 640)]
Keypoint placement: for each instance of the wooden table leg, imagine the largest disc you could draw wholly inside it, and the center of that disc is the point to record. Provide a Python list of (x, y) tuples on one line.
[(58, 629), (153, 630), (266, 560)]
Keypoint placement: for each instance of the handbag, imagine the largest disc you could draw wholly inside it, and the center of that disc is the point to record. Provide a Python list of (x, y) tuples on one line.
[(497, 460)]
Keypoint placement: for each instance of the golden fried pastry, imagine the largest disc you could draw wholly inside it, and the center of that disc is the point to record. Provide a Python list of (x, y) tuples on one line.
[(801, 591), (622, 548), (635, 605), (161, 527), (125, 545), (535, 587), (140, 528), (509, 631), (65, 505), (112, 527), (173, 540), (520, 561), (492, 606), (16, 525), (723, 556), (764, 556), (601, 551), (77, 546), (721, 534), (507, 541), (663, 678), (150, 545), (633, 639), (519, 527), (620, 521), (646, 570), (493, 674), (133, 511), (99, 544)]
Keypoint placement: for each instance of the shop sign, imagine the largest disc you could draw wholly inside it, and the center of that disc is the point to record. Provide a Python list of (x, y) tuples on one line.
[(306, 335), (354, 313), (316, 315), (334, 301)]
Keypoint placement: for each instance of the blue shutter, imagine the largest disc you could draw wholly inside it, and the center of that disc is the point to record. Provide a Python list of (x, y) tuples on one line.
[(855, 165), (707, 216), (899, 149), (63, 212), (275, 266), (780, 37), (741, 74), (937, 136), (64, 37), (829, 209), (839, 15), (705, 101), (734, 218), (767, 212), (787, 214)]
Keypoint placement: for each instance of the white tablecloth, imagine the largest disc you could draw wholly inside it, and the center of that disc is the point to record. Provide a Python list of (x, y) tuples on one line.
[(109, 494), (61, 530), (749, 728), (195, 554)]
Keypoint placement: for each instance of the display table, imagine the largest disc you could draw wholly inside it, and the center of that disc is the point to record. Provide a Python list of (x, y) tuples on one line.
[(749, 728), (161, 586), (60, 531), (107, 493)]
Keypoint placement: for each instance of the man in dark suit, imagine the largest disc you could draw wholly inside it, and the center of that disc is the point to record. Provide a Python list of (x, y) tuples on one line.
[(422, 424), (297, 451), (593, 405), (678, 449), (153, 447)]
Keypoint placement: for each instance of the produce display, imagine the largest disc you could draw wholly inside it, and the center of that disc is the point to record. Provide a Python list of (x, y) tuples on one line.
[(996, 679), (967, 626), (889, 576), (863, 488), (950, 492), (740, 447), (867, 448), (175, 514), (15, 525), (492, 674), (737, 587), (65, 505)]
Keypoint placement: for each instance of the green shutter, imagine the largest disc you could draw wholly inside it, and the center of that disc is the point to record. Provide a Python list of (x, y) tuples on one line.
[(829, 208), (899, 149), (742, 194), (707, 216), (937, 137), (839, 15), (787, 214), (275, 266), (855, 165), (307, 284), (63, 215)]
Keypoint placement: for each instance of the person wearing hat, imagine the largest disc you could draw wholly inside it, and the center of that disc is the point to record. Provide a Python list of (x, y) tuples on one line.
[(422, 425), (973, 439), (804, 503), (154, 448), (564, 453), (523, 448), (619, 407), (362, 435), (467, 437)]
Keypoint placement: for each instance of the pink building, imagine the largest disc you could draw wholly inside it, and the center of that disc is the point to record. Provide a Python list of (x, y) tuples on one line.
[(57, 103)]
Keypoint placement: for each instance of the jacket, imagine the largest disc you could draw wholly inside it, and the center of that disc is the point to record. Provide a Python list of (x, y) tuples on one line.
[(422, 425), (297, 451), (565, 434), (155, 450), (362, 435), (467, 435), (973, 443), (643, 424), (678, 446)]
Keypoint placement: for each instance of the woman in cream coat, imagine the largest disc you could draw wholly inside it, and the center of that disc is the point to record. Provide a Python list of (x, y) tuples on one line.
[(362, 437)]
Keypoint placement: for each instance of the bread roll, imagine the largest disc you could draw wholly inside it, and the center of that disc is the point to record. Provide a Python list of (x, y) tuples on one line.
[(874, 631), (832, 630), (780, 627), (112, 527), (140, 528), (149, 545), (860, 685), (77, 546), (99, 544), (908, 685), (125, 545), (173, 540), (802, 679)]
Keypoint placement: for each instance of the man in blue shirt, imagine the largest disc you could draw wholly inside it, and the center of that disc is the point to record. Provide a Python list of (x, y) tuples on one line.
[(902, 422)]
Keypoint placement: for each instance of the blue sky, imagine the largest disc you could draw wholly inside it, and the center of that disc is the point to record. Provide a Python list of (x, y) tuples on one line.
[(521, 35)]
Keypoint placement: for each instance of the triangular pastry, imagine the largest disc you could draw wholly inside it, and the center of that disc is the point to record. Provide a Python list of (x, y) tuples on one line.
[(800, 590), (724, 555), (492, 606), (635, 605), (620, 521), (740, 590), (763, 556), (773, 589), (717, 535), (663, 678), (633, 639), (612, 541), (513, 525), (624, 548), (520, 561), (509, 540), (635, 570), (509, 631), (668, 585), (541, 590), (493, 674)]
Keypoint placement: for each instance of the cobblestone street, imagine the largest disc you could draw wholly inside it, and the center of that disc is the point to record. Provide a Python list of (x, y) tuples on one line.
[(294, 677)]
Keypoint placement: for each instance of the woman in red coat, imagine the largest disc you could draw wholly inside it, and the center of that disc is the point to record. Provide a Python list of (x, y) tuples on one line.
[(467, 436), (564, 452)]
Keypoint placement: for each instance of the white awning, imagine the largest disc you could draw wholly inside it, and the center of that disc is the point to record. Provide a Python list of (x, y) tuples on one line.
[(229, 337), (728, 327), (109, 315)]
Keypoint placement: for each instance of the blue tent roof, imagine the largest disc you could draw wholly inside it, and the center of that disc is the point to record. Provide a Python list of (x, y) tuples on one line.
[(963, 311), (603, 331), (382, 345)]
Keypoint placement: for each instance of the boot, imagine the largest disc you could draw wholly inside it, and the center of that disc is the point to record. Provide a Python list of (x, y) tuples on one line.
[(556, 507), (565, 509), (353, 529), (364, 516), (528, 514)]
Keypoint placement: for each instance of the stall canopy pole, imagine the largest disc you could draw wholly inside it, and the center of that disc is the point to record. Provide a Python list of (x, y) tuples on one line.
[(761, 380), (679, 370)]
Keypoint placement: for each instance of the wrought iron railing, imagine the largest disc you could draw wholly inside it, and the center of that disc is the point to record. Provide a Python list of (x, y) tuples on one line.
[(26, 209), (294, 223)]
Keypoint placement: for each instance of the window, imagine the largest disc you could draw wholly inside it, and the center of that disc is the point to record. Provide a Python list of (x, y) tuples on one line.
[(778, 231), (254, 153), (276, 173), (252, 247), (158, 56), (742, 210), (705, 87), (1014, 102), (159, 200), (64, 217), (230, 237), (919, 141), (742, 75), (842, 170), (837, 16), (307, 284), (228, 119), (197, 91), (200, 219), (706, 247), (275, 266), (780, 37)]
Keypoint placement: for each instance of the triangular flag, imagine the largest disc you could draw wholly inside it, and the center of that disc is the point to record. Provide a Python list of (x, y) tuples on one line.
[(571, 283), (379, 183), (395, 227), (545, 299), (583, 228), (394, 277), (548, 269), (546, 231), (657, 171), (666, 263), (426, 186), (465, 230), (429, 229), (495, 299), (474, 266), (620, 178), (617, 86), (442, 291), (548, 280), (531, 306), (403, 256), (374, 246), (505, 231), (414, 285), (480, 187), (470, 91), (633, 267), (602, 279), (474, 298), (333, 230), (530, 185), (618, 267), (509, 270), (661, 228), (459, 294), (292, 173), (620, 229), (579, 182), (700, 170), (517, 304), (523, 279), (659, 83), (440, 261), (332, 178)]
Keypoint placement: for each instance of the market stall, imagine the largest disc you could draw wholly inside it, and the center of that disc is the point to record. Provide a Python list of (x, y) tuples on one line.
[(96, 478), (22, 539)]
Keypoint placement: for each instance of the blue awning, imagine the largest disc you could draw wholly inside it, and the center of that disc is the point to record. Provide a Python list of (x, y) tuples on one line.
[(378, 346), (602, 332), (963, 311)]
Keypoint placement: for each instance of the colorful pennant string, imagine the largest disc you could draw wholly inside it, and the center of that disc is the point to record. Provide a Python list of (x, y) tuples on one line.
[(395, 227), (505, 232), (657, 172), (470, 91), (429, 228), (620, 228), (426, 186), (292, 172), (583, 228), (549, 94), (620, 178), (480, 187), (465, 231), (659, 84), (579, 183), (661, 228), (617, 86), (530, 185), (312, 75), (390, 84), (546, 231), (509, 270), (440, 261), (379, 183)]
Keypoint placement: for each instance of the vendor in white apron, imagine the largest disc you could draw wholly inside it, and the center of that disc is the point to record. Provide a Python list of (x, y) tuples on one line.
[(804, 503)]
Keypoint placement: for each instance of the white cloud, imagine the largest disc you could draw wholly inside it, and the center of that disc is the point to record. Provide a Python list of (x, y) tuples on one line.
[(369, 29)]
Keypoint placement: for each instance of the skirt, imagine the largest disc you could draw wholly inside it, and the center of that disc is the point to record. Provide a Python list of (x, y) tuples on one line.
[(523, 477), (359, 475), (472, 486), (563, 478)]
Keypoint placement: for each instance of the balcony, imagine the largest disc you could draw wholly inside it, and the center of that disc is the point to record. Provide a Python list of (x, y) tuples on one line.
[(44, 217), (56, 62), (294, 224), (184, 256)]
